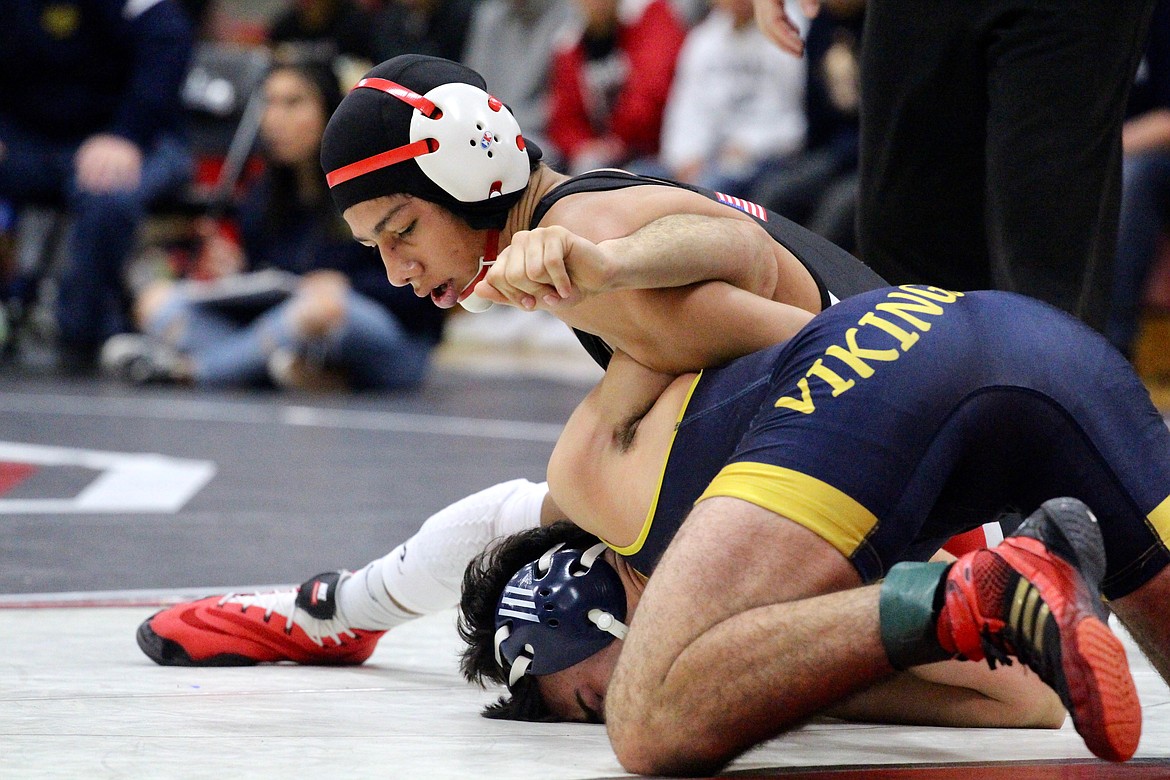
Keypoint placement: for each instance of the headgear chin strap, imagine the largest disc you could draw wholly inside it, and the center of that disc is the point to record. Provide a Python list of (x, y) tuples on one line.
[(557, 611), (467, 297)]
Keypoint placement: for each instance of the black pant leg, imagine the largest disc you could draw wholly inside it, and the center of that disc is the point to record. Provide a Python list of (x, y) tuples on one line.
[(1058, 78), (923, 114)]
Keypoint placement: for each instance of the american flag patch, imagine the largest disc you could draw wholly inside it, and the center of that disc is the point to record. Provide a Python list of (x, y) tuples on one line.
[(745, 206)]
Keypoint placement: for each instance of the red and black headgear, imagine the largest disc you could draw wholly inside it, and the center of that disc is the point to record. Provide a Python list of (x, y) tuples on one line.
[(427, 127)]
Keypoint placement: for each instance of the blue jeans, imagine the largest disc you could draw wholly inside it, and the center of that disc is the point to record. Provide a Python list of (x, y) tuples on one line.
[(90, 300), (1145, 207), (372, 348)]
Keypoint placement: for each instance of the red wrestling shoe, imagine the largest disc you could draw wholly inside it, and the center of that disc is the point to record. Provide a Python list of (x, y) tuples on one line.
[(245, 629), (1035, 597)]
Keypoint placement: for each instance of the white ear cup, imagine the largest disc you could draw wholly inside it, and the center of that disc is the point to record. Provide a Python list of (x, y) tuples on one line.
[(479, 144)]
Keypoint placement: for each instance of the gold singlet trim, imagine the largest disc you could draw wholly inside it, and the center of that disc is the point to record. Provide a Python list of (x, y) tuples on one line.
[(821, 508), (1160, 520), (633, 549)]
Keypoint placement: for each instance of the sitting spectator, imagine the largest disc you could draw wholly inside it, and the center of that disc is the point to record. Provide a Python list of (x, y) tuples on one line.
[(510, 44), (610, 81), (1145, 171), (818, 187), (434, 27), (90, 121), (342, 326), (736, 108)]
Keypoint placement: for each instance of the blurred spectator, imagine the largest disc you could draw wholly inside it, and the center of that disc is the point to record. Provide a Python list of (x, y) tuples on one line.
[(610, 82), (510, 43), (342, 326), (434, 27), (90, 120), (818, 187), (691, 12), (1145, 191), (324, 29), (736, 107), (201, 14)]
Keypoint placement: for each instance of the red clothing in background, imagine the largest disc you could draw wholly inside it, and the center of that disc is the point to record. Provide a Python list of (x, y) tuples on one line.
[(616, 95)]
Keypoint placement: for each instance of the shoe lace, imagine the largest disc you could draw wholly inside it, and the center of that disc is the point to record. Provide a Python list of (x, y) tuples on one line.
[(283, 603), (994, 649)]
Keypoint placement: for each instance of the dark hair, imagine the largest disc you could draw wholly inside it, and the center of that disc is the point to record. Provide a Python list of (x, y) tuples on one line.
[(287, 202), (318, 71), (483, 582)]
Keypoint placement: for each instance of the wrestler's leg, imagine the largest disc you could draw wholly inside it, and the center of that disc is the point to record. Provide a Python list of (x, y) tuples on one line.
[(1144, 613), (733, 592), (730, 646), (420, 576)]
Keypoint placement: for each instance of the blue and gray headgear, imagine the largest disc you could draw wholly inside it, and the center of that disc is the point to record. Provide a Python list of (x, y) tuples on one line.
[(557, 611)]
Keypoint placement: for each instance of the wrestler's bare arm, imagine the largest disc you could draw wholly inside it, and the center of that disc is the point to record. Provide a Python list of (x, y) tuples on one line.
[(686, 329), (959, 694), (656, 236), (555, 266), (628, 260)]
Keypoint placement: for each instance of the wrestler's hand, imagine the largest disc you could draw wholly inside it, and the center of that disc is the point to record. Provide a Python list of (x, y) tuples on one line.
[(548, 267), (775, 23), (108, 163)]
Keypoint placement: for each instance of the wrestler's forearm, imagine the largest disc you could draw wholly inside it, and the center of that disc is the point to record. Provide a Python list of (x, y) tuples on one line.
[(958, 694), (682, 249), (699, 326)]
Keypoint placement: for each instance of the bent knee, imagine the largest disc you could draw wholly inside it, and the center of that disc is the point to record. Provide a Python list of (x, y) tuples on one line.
[(317, 313), (673, 749), (151, 301)]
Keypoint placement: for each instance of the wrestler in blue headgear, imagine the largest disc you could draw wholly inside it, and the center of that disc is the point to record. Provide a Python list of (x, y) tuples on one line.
[(557, 611), (537, 603)]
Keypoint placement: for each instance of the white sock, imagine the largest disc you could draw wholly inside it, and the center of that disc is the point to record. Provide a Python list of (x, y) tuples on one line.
[(362, 601)]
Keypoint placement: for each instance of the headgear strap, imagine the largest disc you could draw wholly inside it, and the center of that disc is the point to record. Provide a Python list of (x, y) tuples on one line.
[(393, 156), (558, 611), (381, 160), (406, 95)]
